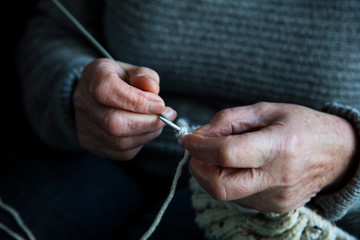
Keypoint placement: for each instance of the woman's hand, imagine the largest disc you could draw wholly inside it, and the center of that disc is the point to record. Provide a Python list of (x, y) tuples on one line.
[(115, 118), (271, 157)]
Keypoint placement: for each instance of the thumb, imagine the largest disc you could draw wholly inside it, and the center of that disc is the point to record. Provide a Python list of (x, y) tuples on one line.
[(238, 120)]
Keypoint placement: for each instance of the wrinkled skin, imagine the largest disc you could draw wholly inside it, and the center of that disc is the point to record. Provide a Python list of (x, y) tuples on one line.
[(116, 116), (271, 157)]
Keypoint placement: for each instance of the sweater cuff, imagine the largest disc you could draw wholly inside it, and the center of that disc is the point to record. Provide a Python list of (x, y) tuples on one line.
[(335, 205), (65, 115)]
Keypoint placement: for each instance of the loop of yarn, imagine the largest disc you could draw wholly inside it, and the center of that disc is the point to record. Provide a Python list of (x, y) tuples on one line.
[(227, 220), (185, 129)]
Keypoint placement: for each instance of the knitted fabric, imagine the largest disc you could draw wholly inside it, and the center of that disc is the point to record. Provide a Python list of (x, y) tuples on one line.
[(227, 220)]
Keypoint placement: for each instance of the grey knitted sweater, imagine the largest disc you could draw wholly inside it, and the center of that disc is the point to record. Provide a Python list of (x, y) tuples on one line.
[(210, 55)]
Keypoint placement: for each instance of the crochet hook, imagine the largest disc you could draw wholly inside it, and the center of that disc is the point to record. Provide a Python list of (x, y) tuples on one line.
[(169, 123)]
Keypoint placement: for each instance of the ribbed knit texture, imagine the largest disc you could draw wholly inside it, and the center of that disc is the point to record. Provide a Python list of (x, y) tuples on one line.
[(304, 52), (209, 54)]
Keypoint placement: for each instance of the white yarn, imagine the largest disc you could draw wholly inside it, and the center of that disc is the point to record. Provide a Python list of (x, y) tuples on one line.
[(10, 232), (162, 210), (228, 221), (78, 25), (18, 220), (182, 133)]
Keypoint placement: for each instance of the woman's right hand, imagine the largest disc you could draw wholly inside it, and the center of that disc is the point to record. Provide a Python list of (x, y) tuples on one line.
[(114, 116)]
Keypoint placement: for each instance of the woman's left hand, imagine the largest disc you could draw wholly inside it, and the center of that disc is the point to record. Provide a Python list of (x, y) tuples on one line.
[(271, 157)]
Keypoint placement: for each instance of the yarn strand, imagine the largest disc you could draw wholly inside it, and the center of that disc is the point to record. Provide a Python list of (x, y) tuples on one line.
[(80, 27), (18, 220), (165, 205), (86, 33), (10, 232)]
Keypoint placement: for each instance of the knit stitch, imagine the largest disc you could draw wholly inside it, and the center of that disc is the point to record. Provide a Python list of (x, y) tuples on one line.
[(227, 220)]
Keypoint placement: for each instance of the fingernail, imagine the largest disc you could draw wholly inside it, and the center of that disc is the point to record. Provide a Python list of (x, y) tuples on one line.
[(145, 75), (141, 75), (156, 107), (169, 112)]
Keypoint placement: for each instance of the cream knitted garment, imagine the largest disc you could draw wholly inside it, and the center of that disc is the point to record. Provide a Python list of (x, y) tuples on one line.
[(227, 220)]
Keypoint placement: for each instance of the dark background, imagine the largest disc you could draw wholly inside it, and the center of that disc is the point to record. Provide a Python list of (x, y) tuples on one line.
[(14, 124)]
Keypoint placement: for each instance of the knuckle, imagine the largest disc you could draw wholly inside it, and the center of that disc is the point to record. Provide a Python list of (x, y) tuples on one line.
[(103, 63), (223, 114), (100, 88), (225, 156), (292, 143), (261, 108), (138, 102), (290, 150), (134, 100), (261, 105), (123, 144), (100, 91), (114, 125)]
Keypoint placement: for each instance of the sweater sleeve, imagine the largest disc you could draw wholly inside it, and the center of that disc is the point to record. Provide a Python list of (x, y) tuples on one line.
[(51, 56), (334, 206)]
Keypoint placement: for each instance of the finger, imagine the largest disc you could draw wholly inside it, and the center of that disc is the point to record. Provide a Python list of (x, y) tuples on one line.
[(109, 88), (238, 120), (117, 122), (121, 144), (128, 143), (226, 184), (248, 150), (145, 79)]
